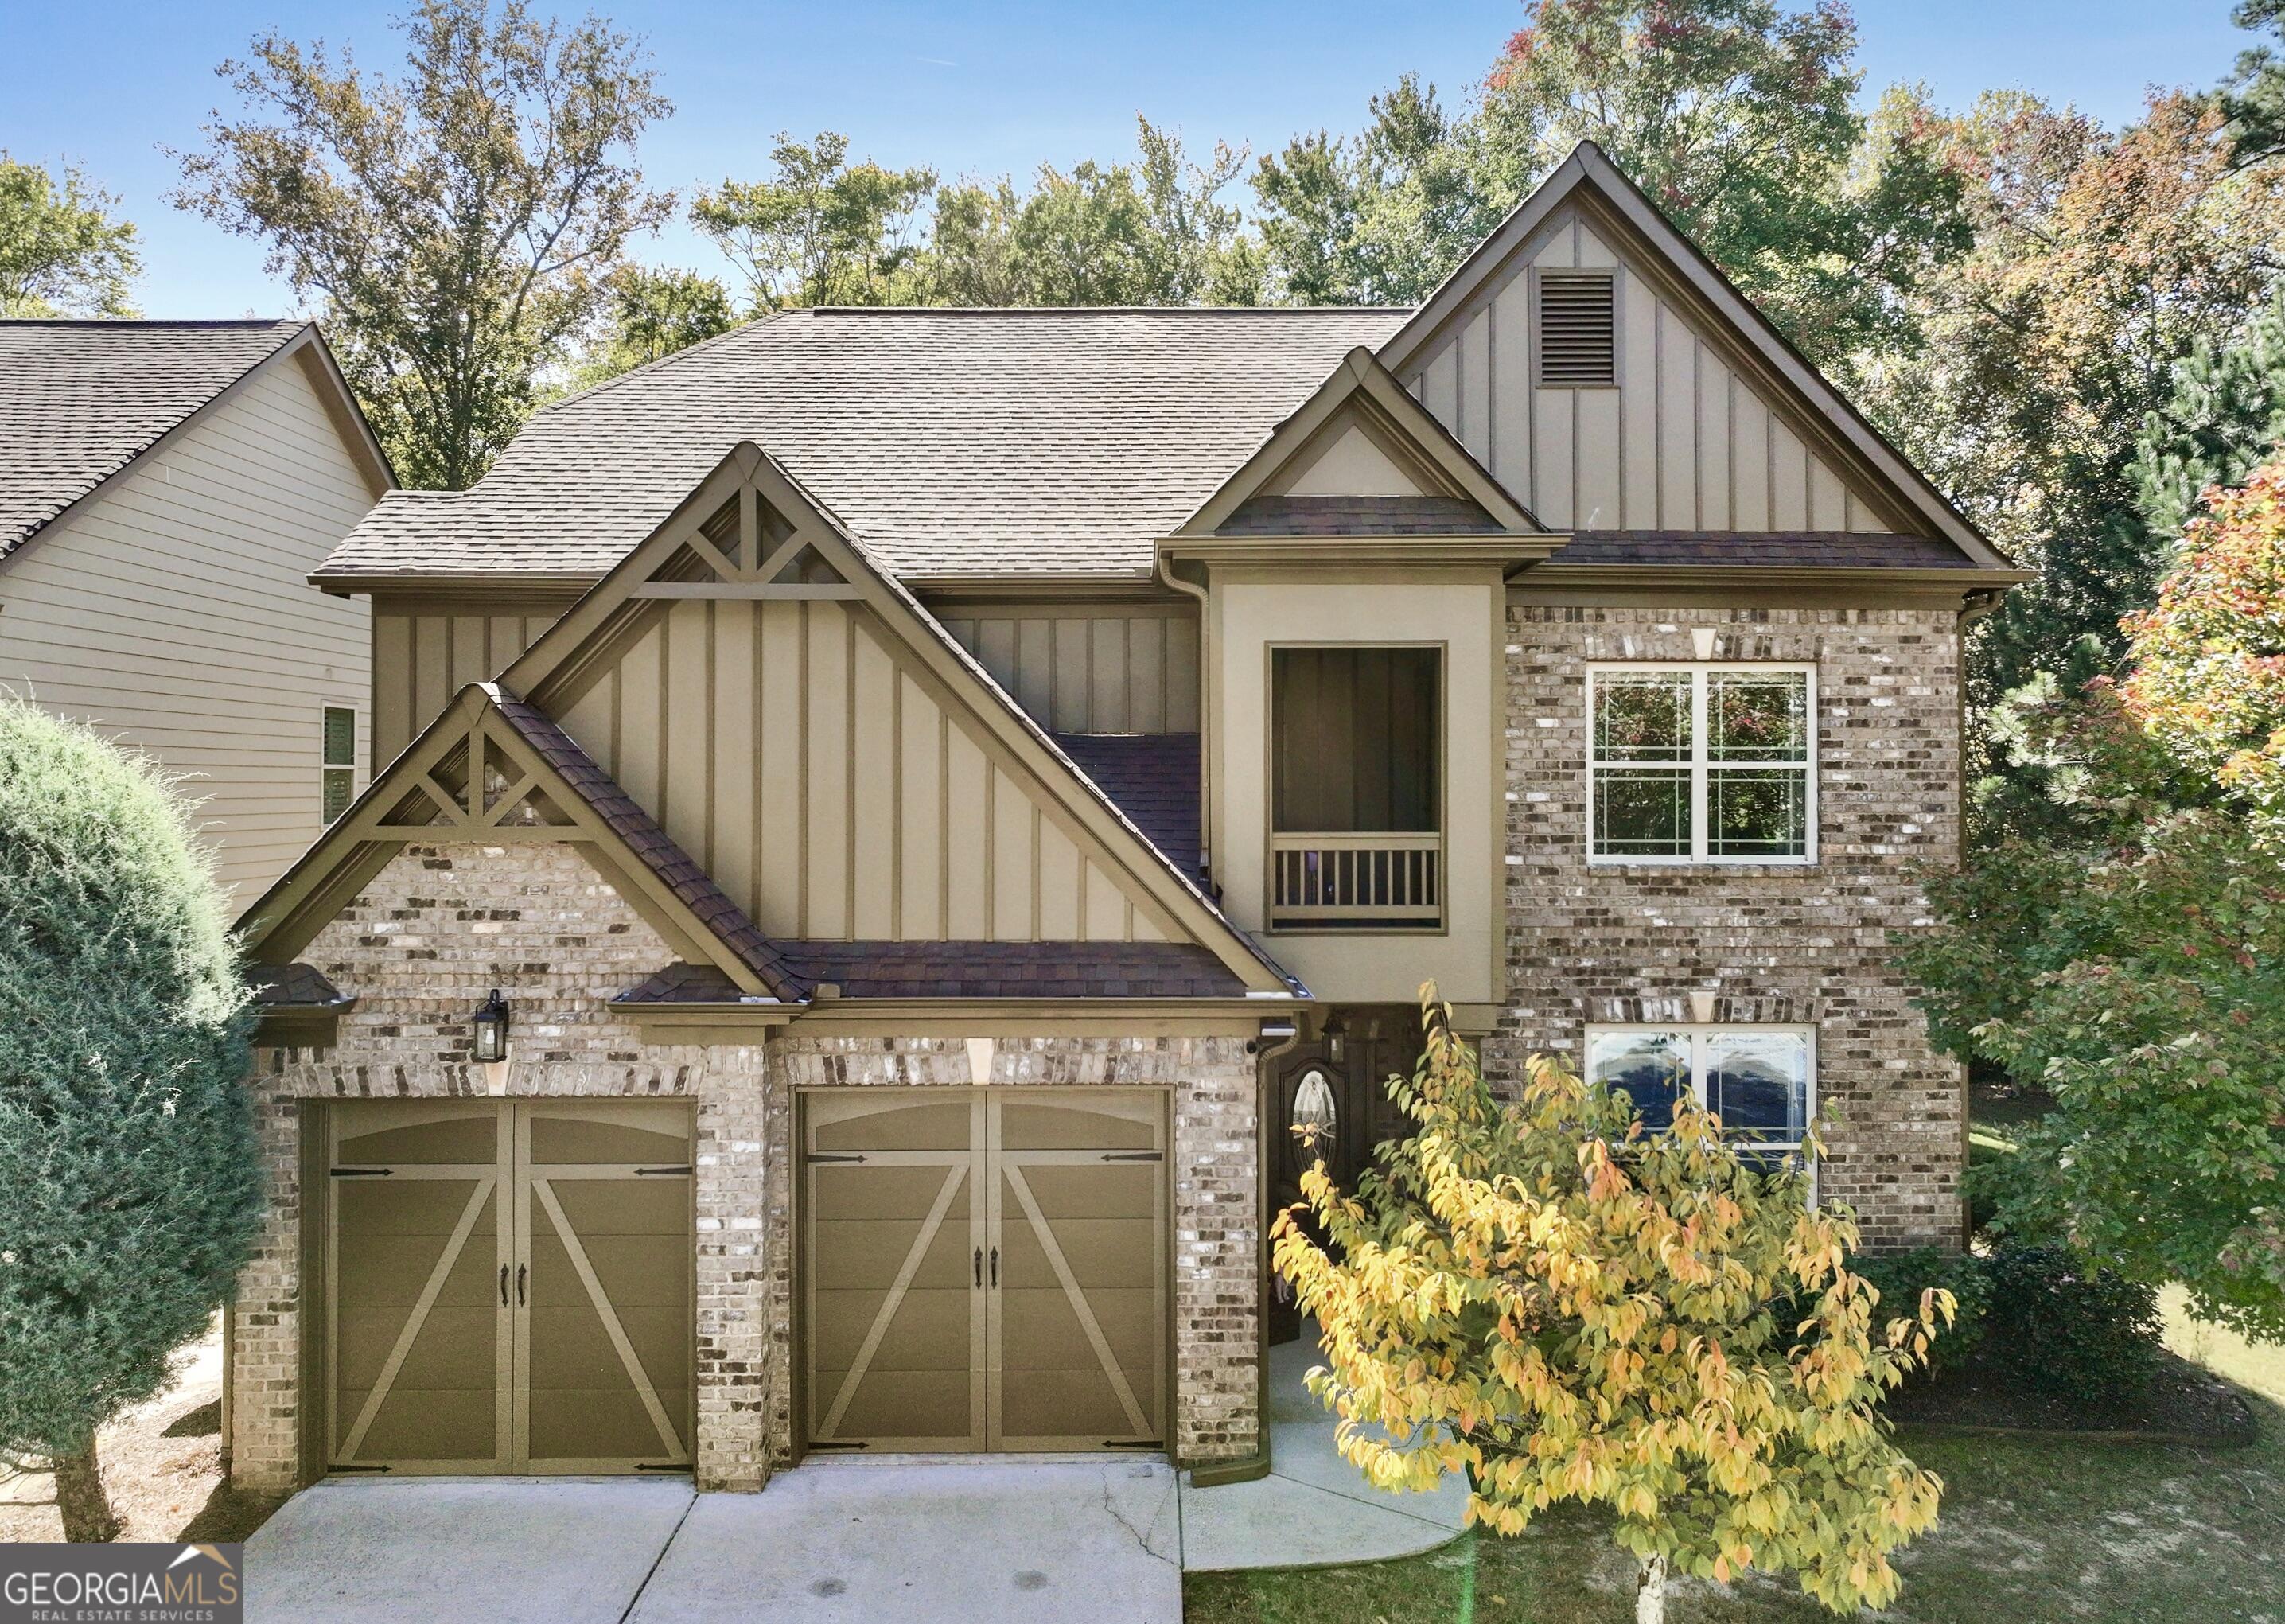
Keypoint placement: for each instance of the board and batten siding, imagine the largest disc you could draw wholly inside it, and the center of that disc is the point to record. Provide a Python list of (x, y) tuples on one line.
[(172, 610), (423, 657), (1682, 443), (1088, 668), (833, 789)]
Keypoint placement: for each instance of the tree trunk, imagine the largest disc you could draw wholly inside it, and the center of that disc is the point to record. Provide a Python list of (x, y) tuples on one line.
[(86, 1509), (1650, 1591)]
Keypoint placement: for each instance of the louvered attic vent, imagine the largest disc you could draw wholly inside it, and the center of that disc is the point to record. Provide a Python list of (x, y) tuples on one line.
[(1578, 330)]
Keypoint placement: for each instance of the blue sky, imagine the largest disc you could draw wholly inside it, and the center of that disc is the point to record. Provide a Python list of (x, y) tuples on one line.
[(966, 87)]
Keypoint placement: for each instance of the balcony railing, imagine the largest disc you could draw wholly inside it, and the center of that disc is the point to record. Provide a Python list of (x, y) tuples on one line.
[(1354, 880)]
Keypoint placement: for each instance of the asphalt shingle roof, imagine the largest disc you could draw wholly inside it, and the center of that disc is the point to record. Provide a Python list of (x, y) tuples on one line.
[(79, 400), (952, 444)]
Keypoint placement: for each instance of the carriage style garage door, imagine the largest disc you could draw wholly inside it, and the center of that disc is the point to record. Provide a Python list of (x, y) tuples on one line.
[(985, 1269), (509, 1286)]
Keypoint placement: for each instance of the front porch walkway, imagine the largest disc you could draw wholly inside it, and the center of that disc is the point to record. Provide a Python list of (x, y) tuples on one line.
[(1314, 1509)]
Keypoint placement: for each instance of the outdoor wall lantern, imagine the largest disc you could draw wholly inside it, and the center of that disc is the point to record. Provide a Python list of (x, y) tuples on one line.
[(1336, 1030), (491, 1029)]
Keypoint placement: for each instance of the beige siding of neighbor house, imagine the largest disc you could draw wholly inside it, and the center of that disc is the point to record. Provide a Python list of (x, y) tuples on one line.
[(1104, 668), (422, 656), (172, 610), (1684, 442), (833, 789)]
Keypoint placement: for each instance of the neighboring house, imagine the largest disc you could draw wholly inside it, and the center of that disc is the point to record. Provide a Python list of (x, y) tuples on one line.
[(166, 488), (936, 792)]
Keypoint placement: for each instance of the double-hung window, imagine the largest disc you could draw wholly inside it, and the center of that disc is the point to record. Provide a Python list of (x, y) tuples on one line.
[(338, 766), (1759, 1081), (1702, 764)]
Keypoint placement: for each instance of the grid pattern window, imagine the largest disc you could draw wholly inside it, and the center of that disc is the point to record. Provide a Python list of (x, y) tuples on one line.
[(340, 760), (1759, 1081), (1702, 764)]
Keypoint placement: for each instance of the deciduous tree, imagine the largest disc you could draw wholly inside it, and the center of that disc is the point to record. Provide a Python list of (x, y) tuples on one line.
[(1544, 1297), (63, 251), (820, 229), (456, 223)]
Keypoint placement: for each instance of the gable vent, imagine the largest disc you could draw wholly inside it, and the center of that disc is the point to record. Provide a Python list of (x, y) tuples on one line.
[(1578, 330)]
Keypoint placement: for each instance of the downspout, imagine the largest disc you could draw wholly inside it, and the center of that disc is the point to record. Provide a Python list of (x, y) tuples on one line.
[(1278, 1037), (1165, 566)]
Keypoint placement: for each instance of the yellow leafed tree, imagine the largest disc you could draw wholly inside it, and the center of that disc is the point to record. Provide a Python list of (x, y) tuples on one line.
[(1544, 1297)]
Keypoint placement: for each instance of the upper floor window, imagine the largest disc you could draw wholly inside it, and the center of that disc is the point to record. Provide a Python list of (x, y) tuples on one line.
[(1356, 787), (1702, 764), (1759, 1081), (338, 768), (1578, 329)]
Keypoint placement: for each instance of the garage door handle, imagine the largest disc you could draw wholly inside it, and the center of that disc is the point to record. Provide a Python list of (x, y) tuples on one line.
[(521, 1273), (503, 1285), (979, 1268), (995, 1269)]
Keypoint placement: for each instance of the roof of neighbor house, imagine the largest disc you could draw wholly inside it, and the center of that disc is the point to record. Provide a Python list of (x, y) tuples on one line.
[(79, 400), (950, 443)]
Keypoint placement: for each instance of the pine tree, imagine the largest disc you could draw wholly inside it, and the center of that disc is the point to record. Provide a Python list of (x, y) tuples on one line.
[(2225, 415), (129, 1190)]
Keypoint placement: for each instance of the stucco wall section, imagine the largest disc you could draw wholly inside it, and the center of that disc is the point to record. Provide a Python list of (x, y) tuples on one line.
[(1217, 1257), (1810, 944), (421, 945)]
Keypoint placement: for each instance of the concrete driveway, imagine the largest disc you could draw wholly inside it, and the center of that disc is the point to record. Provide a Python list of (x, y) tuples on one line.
[(948, 1539), (952, 1543)]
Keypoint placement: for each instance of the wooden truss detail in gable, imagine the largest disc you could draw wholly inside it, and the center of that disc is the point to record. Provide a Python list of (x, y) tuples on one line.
[(501, 798), (745, 550)]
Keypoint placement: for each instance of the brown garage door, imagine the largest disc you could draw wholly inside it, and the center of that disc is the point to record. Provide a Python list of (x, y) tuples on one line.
[(509, 1287), (985, 1269)]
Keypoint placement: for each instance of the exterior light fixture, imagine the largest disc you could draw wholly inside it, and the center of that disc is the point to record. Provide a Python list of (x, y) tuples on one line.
[(1314, 1115), (1335, 1030), (491, 1029)]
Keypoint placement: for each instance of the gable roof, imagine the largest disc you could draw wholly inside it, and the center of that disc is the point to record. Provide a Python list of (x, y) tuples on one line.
[(81, 401), (408, 803), (1589, 174), (955, 443), (752, 477), (1363, 392)]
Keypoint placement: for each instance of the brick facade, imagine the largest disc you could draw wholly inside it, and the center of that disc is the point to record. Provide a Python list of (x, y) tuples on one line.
[(1769, 943), (438, 928)]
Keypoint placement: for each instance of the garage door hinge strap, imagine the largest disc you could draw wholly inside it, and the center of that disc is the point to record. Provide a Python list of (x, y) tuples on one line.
[(361, 1173), (649, 1173), (1131, 1156), (833, 1156), (347, 1466)]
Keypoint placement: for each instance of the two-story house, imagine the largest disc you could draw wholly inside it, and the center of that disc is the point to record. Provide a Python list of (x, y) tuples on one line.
[(881, 819), (166, 487)]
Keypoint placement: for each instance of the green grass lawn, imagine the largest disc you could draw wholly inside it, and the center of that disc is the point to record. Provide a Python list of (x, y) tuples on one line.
[(2032, 1530)]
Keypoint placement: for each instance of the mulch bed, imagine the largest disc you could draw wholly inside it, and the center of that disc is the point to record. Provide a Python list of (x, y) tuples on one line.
[(2184, 1404)]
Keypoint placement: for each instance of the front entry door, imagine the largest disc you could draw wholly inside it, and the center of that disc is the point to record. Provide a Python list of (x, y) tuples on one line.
[(510, 1287), (985, 1269)]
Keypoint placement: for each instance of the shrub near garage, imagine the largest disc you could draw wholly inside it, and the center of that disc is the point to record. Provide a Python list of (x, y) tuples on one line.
[(1544, 1297), (129, 1197)]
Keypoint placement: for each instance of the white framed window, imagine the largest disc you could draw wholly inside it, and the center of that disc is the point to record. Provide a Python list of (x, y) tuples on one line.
[(1760, 1081), (1702, 763), (337, 771)]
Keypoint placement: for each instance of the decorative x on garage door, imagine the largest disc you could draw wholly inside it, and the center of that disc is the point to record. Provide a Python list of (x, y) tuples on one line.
[(985, 1269)]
